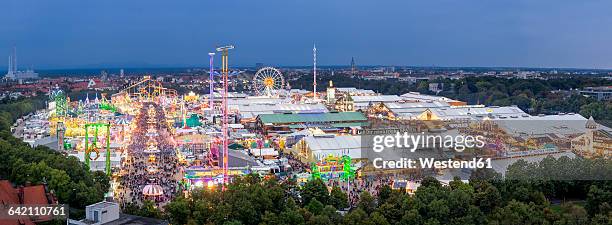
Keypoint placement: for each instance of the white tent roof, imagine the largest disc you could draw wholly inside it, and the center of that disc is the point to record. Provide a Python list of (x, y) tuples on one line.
[(376, 98), (253, 110), (322, 146)]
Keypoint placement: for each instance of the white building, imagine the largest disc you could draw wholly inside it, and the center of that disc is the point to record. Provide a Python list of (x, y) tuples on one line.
[(108, 213), (314, 148), (99, 213)]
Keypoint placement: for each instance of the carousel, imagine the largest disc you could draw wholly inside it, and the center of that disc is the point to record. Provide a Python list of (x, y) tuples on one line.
[(153, 192)]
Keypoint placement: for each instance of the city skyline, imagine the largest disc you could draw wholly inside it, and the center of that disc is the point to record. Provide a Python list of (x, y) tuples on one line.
[(305, 112), (73, 34)]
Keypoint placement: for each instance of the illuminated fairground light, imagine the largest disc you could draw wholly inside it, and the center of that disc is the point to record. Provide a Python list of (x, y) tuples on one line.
[(332, 167)]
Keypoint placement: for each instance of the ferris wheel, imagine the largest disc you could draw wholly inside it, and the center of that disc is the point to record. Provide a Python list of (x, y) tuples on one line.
[(268, 81)]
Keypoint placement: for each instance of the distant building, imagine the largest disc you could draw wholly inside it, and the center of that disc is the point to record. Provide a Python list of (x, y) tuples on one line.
[(527, 75), (13, 72), (103, 75), (594, 142), (344, 103), (331, 93), (436, 87), (602, 93)]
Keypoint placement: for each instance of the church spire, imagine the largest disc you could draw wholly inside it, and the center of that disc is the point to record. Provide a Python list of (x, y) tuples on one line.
[(591, 124)]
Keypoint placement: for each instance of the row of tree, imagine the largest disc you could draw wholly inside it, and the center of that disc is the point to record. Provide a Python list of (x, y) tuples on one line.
[(486, 199)]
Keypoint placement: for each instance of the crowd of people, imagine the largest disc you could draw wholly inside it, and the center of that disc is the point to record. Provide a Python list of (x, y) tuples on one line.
[(354, 187), (158, 165), (142, 167)]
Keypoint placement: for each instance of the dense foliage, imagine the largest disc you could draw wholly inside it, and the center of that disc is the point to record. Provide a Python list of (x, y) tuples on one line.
[(486, 199), (67, 177)]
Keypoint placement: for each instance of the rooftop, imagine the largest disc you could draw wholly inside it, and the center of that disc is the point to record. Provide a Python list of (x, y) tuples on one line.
[(415, 96), (376, 98), (343, 142), (312, 117)]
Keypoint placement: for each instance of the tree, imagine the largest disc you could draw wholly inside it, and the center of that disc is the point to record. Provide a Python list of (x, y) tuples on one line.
[(484, 174), (179, 210), (430, 182), (411, 217), (598, 200), (319, 220), (292, 217), (378, 219), (67, 177), (355, 217), (573, 214), (384, 193), (601, 219), (315, 188), (366, 202), (315, 206), (395, 205), (518, 213), (487, 197), (270, 218), (331, 213), (149, 209), (99, 177), (338, 198), (232, 222), (600, 111)]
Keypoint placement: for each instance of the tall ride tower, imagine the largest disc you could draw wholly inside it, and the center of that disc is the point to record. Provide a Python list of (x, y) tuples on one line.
[(225, 70), (314, 63), (211, 81)]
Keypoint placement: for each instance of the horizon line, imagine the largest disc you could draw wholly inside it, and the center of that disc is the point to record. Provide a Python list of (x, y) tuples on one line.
[(110, 67)]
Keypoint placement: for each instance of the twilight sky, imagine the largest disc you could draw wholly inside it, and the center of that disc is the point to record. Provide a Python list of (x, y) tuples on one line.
[(136, 33)]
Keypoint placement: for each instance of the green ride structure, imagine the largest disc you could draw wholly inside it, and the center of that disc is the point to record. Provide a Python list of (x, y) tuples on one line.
[(106, 105), (94, 144), (61, 103), (332, 167)]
